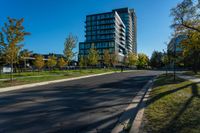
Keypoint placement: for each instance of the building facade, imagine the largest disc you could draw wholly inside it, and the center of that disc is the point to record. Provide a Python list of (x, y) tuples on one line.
[(175, 44), (114, 31)]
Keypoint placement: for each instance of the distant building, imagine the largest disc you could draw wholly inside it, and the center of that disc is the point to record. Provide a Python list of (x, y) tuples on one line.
[(114, 31), (175, 44), (175, 49)]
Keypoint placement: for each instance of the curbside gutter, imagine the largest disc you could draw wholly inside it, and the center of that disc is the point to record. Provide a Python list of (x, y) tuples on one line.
[(136, 125), (6, 89), (134, 112), (137, 122)]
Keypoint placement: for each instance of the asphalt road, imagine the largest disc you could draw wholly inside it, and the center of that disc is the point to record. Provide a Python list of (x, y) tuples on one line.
[(79, 106)]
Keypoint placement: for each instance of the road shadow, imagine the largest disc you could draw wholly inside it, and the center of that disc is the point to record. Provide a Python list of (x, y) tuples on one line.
[(91, 104)]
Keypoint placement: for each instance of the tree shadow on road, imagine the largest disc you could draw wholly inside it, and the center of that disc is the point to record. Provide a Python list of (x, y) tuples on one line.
[(89, 104)]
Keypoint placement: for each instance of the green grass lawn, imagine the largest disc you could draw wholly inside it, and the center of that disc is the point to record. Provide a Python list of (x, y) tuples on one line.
[(173, 107), (26, 78)]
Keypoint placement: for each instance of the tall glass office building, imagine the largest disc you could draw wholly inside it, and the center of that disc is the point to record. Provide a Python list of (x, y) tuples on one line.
[(114, 31)]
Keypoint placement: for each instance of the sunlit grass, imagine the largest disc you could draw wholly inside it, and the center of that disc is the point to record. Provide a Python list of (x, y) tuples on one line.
[(173, 107), (34, 77)]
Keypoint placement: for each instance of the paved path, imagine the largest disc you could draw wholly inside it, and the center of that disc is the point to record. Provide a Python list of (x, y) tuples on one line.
[(191, 78), (79, 106)]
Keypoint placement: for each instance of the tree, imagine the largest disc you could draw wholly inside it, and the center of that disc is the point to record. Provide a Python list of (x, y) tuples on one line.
[(191, 49), (186, 16), (51, 62), (132, 59), (156, 59), (39, 62), (142, 61), (113, 59), (166, 60), (11, 35), (82, 61), (125, 60), (61, 63), (1, 60), (93, 56), (187, 22), (23, 55), (106, 57), (70, 44)]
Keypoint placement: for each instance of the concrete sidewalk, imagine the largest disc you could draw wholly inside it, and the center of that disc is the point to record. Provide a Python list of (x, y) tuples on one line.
[(190, 78)]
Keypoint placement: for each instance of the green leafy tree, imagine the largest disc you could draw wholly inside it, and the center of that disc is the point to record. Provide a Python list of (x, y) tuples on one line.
[(132, 59), (106, 58), (156, 59), (1, 60), (39, 62), (142, 61), (70, 44), (61, 63), (11, 35), (113, 59), (166, 60), (93, 56), (187, 21), (82, 61), (51, 62), (125, 60), (191, 49)]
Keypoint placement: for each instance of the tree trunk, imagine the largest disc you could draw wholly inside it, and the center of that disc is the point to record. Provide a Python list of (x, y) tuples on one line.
[(195, 62)]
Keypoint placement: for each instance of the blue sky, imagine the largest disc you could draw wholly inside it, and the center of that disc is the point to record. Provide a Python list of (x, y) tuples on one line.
[(50, 21)]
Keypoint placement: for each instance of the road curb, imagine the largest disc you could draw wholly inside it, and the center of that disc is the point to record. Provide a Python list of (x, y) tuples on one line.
[(6, 89), (137, 122), (131, 113)]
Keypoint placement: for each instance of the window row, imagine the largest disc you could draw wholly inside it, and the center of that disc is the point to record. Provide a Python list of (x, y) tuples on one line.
[(100, 16), (96, 45), (100, 32), (100, 51), (99, 22), (100, 37), (88, 28)]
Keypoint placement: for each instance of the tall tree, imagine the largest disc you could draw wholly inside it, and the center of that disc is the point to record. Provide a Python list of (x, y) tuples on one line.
[(132, 59), (51, 62), (82, 61), (113, 59), (39, 62), (61, 63), (142, 61), (11, 35), (156, 59), (70, 44), (186, 16), (166, 60), (1, 60), (191, 49), (93, 56), (106, 57)]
